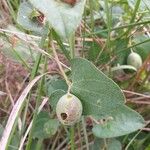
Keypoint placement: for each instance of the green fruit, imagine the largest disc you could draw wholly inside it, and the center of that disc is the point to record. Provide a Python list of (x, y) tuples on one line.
[(134, 60), (69, 109)]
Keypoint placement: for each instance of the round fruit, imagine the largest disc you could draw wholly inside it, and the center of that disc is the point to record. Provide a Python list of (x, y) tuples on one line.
[(134, 60), (69, 109)]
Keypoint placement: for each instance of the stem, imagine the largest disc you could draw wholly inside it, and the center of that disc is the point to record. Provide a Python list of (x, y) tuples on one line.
[(72, 46), (39, 144), (72, 52), (119, 28), (61, 45), (109, 22), (85, 133), (59, 64), (133, 18), (91, 14), (40, 86), (132, 140), (33, 74), (128, 48), (105, 144), (21, 59), (72, 138)]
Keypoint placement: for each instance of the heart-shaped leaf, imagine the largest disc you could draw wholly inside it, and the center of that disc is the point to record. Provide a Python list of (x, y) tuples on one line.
[(124, 121), (102, 98), (62, 17), (24, 19), (99, 94)]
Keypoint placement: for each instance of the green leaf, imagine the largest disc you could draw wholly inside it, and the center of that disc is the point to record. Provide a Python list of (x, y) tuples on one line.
[(93, 51), (51, 127), (112, 144), (55, 84), (56, 88), (102, 98), (99, 94), (119, 53), (23, 18), (143, 50), (45, 127), (62, 17), (55, 96), (124, 121)]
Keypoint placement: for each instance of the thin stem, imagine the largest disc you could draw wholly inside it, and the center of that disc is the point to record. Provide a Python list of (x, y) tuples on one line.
[(72, 52), (40, 86), (21, 59), (72, 138), (91, 14), (72, 46), (135, 137), (39, 144), (120, 27), (128, 48), (61, 45), (133, 17), (55, 141), (85, 134), (132, 140), (109, 22), (59, 64), (105, 144)]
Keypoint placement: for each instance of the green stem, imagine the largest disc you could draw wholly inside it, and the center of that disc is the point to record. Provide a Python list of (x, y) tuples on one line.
[(128, 48), (72, 138), (83, 34), (133, 17), (132, 140), (39, 144), (21, 59), (109, 22), (105, 144), (91, 14), (85, 133), (72, 46), (72, 53), (121, 27), (40, 87), (61, 45), (33, 74)]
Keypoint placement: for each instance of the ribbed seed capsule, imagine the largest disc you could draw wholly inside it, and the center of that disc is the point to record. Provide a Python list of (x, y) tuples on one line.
[(69, 109), (135, 60)]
